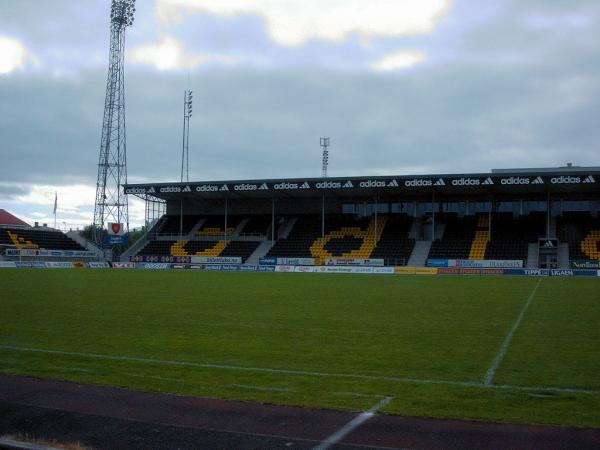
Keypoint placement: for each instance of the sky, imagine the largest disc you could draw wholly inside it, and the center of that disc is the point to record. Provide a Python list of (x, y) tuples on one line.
[(400, 87)]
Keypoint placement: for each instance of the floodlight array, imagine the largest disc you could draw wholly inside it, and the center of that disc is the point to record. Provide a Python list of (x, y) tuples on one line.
[(122, 12), (188, 103)]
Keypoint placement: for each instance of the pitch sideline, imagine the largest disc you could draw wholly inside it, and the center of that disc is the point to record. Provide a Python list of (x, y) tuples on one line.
[(470, 384)]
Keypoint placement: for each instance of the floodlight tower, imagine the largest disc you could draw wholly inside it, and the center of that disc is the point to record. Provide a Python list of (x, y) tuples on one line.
[(111, 201), (185, 152), (325, 145)]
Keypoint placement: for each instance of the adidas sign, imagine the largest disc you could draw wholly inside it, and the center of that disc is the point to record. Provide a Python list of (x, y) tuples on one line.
[(488, 181), (371, 184), (514, 181), (328, 185), (418, 182), (348, 184), (207, 188), (393, 183), (151, 191), (224, 188), (135, 191), (565, 179), (288, 186), (466, 182), (170, 189), (244, 187), (305, 185), (439, 182), (538, 180), (263, 187), (187, 189)]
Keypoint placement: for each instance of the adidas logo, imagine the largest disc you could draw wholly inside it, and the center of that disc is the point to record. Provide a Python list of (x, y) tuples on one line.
[(439, 182), (589, 179), (305, 185), (224, 188), (348, 184), (263, 187), (538, 180), (151, 191), (187, 189), (393, 183), (488, 181)]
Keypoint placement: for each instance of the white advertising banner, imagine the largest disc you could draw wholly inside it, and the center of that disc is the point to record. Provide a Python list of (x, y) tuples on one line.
[(123, 265), (304, 269), (59, 265), (7, 265), (216, 260), (485, 263), (353, 262), (296, 261)]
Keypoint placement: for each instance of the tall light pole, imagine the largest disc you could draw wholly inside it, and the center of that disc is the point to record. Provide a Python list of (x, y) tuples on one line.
[(111, 201), (325, 145), (185, 151)]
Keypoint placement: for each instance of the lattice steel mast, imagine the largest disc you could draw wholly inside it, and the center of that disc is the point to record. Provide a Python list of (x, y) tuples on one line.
[(111, 201)]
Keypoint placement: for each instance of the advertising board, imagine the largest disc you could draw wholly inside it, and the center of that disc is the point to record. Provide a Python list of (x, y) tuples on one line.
[(528, 272), (426, 270), (353, 262), (383, 270), (404, 270), (7, 265), (49, 253), (475, 264), (267, 261), (162, 259), (59, 265), (437, 263), (31, 265), (585, 264), (123, 265), (216, 260), (296, 261), (154, 266), (98, 265)]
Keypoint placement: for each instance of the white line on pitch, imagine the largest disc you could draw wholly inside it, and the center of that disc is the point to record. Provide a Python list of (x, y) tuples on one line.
[(352, 425), (470, 384), (489, 376)]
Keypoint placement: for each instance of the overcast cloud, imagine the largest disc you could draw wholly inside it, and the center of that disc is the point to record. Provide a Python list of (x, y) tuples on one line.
[(419, 87)]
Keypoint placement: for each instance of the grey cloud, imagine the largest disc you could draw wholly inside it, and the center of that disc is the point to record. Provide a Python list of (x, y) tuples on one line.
[(512, 96), (10, 192)]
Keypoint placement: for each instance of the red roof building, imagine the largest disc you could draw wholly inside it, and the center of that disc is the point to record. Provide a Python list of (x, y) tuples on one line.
[(7, 218)]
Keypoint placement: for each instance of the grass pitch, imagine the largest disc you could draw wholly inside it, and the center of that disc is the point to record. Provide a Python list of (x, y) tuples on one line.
[(332, 341)]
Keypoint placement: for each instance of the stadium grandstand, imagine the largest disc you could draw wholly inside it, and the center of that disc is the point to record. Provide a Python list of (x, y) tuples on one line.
[(20, 241), (543, 218)]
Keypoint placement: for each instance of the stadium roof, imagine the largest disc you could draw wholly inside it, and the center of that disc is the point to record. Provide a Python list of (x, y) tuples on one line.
[(526, 182), (7, 218)]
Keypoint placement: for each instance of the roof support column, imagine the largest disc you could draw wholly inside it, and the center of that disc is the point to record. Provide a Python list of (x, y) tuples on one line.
[(548, 216), (273, 221), (226, 210), (376, 203), (433, 216), (323, 218), (181, 219)]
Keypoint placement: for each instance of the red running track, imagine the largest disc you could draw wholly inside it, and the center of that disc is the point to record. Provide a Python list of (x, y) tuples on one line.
[(114, 418)]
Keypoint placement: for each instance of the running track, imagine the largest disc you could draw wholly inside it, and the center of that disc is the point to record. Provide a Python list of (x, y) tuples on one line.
[(113, 418)]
